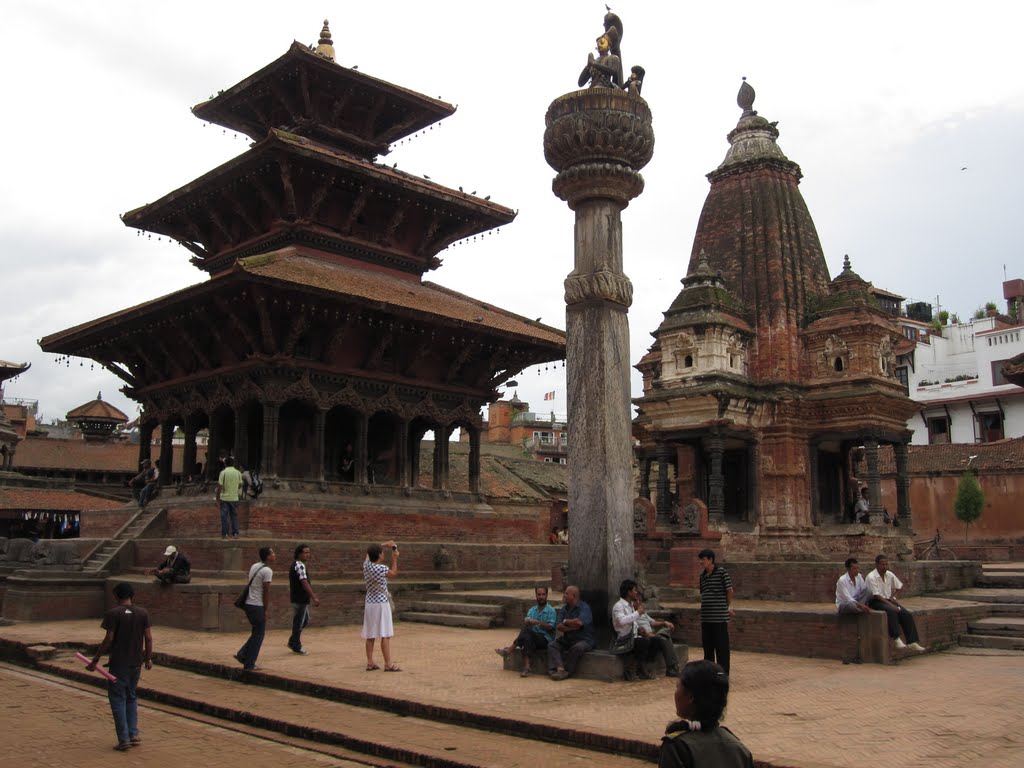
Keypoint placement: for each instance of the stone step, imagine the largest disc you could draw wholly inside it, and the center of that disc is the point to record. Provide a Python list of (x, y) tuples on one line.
[(1002, 580), (453, 620), (465, 609), (982, 595), (992, 641), (1003, 626)]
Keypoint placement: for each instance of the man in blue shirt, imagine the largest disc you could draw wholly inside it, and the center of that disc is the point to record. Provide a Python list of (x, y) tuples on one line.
[(537, 633), (576, 628)]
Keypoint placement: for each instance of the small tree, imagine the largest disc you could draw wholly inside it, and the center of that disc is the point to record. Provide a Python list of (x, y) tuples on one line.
[(969, 502), (943, 317)]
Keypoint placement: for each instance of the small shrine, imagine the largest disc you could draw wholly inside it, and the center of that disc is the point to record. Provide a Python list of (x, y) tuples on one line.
[(316, 351), (97, 420), (767, 379)]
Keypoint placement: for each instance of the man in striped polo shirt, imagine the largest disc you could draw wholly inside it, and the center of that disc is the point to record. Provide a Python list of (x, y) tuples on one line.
[(715, 609)]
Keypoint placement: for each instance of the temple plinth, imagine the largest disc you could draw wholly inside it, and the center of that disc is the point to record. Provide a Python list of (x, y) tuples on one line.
[(598, 139)]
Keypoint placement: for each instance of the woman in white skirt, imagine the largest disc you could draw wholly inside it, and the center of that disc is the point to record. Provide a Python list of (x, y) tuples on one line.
[(377, 613)]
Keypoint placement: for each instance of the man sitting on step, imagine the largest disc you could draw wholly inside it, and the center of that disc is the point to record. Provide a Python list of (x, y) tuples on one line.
[(175, 569), (575, 626), (884, 587), (851, 590), (537, 633)]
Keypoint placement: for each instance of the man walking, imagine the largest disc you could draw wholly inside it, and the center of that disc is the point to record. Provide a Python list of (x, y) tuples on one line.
[(256, 606), (576, 623), (715, 609), (129, 641), (537, 633), (229, 484), (301, 593), (884, 588)]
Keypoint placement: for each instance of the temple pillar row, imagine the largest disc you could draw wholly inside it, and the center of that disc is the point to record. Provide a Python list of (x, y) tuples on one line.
[(271, 418), (903, 485), (716, 482), (874, 480)]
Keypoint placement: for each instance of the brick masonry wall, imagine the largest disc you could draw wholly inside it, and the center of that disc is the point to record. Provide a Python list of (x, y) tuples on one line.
[(104, 523)]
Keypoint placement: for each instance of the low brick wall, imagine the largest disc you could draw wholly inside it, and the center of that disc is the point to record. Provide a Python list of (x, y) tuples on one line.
[(35, 597), (104, 523), (344, 559)]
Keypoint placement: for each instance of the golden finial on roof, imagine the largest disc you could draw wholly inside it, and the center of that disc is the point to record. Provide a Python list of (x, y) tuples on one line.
[(325, 47)]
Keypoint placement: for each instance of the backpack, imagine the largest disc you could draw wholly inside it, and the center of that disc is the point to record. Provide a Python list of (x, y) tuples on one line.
[(256, 486)]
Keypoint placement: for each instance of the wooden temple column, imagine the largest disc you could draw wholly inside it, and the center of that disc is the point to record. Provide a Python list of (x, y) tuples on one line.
[(188, 457), (661, 503), (241, 438), (319, 432), (414, 459), (214, 441), (716, 482), (268, 451), (440, 479), (474, 459), (753, 481), (903, 483), (874, 481), (361, 447), (402, 454), (645, 477), (166, 464), (145, 441)]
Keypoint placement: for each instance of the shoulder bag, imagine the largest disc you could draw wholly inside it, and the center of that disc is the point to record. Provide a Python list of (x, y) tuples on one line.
[(244, 594)]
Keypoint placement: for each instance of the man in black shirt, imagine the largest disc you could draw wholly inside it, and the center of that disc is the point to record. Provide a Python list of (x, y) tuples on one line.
[(715, 609), (301, 594), (130, 643)]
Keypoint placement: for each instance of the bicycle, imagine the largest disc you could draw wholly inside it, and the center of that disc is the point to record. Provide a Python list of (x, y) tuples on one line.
[(933, 549)]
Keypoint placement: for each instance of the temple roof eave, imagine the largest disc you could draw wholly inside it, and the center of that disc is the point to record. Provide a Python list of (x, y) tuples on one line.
[(221, 109)]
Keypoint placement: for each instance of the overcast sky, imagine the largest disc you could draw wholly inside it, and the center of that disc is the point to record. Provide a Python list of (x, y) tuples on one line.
[(882, 104)]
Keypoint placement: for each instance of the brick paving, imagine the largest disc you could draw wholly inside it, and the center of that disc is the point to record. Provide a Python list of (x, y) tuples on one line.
[(945, 709)]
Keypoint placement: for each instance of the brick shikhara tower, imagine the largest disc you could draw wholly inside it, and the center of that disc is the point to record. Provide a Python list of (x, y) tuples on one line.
[(767, 378)]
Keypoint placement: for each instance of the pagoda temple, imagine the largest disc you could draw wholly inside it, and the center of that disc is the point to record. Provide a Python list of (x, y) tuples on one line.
[(315, 352), (768, 380), (97, 420)]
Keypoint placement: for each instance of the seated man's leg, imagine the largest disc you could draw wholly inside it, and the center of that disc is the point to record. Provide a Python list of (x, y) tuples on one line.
[(667, 649), (891, 615), (555, 655), (906, 620), (574, 655), (532, 643)]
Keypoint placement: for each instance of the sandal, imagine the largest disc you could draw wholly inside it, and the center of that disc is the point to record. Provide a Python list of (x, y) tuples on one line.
[(371, 667), (123, 746), (393, 668)]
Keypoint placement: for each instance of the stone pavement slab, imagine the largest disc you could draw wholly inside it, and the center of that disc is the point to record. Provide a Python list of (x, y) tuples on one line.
[(945, 709)]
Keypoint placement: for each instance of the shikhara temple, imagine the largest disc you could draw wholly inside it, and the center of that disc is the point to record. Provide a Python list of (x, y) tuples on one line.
[(767, 380), (316, 351)]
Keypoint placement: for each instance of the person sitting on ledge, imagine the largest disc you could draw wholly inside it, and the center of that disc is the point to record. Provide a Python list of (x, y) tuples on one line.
[(175, 568), (576, 628), (660, 634), (699, 739), (625, 616), (851, 590), (537, 633), (884, 587)]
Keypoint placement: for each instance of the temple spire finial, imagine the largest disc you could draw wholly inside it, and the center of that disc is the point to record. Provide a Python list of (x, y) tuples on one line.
[(846, 263), (745, 99), (325, 47)]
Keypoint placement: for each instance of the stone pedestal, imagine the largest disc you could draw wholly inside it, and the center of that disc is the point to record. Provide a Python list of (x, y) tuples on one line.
[(597, 139)]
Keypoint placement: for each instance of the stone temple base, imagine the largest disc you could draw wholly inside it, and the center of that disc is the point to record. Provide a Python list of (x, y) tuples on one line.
[(596, 665)]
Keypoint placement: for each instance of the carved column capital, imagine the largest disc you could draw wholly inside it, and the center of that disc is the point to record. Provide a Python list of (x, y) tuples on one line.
[(589, 181), (600, 286)]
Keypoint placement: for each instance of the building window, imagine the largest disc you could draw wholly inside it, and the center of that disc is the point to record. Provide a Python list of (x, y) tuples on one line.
[(547, 459), (990, 427), (561, 460), (938, 430), (902, 377), (688, 361), (997, 373), (838, 365), (564, 438)]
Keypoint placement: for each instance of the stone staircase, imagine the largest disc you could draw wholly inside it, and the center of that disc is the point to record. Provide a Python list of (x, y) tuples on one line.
[(102, 558), (1001, 584), (451, 613)]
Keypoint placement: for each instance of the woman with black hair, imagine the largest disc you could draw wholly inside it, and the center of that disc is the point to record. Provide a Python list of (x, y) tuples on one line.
[(698, 739)]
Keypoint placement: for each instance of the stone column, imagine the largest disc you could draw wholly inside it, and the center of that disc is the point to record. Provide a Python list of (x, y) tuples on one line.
[(661, 505), (166, 451), (645, 478), (402, 454), (319, 422), (716, 481), (474, 460), (903, 484), (268, 451), (188, 458), (361, 447), (816, 511), (242, 437), (440, 438), (874, 481), (145, 441), (597, 140)]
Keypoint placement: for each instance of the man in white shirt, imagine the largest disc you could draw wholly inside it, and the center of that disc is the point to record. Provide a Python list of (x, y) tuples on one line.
[(884, 587), (851, 590)]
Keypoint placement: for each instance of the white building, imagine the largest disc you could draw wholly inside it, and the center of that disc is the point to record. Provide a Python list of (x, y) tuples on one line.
[(957, 378)]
